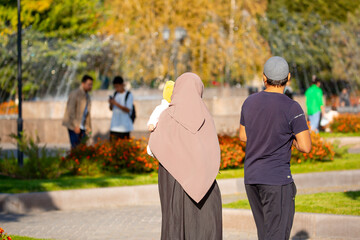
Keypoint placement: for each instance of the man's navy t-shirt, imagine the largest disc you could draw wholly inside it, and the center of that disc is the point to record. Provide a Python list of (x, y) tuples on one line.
[(271, 120)]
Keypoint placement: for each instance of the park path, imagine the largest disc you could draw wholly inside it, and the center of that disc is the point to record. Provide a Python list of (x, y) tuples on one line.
[(122, 223)]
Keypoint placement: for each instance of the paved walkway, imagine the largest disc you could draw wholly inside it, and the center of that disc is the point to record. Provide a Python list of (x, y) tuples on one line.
[(123, 223), (352, 142)]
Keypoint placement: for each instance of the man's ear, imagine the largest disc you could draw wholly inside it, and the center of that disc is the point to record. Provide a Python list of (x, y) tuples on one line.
[(264, 79), (289, 76)]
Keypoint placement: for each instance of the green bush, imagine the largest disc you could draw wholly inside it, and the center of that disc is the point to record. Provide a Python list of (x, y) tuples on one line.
[(38, 163)]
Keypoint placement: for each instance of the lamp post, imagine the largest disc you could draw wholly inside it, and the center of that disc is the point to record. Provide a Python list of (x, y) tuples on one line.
[(20, 154), (180, 35)]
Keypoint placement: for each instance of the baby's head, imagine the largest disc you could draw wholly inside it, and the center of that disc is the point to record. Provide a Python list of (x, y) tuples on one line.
[(168, 90)]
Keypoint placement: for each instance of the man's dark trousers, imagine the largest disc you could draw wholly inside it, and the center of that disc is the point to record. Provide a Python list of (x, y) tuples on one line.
[(114, 136), (75, 139), (273, 208)]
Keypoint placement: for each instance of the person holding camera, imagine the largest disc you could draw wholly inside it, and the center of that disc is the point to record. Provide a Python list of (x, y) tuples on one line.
[(121, 105)]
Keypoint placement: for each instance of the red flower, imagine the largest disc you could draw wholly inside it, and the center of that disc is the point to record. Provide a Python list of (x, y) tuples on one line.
[(9, 238)]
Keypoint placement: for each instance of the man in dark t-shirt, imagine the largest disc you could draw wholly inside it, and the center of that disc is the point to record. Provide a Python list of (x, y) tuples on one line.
[(270, 124)]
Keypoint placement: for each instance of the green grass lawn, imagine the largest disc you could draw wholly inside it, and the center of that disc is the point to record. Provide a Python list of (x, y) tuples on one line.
[(14, 237), (10, 185), (346, 203), (346, 162), (333, 135)]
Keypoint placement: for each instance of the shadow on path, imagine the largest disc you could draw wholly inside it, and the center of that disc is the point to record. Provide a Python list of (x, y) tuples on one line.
[(301, 235)]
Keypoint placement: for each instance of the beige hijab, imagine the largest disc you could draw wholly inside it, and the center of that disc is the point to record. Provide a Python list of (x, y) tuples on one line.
[(185, 140)]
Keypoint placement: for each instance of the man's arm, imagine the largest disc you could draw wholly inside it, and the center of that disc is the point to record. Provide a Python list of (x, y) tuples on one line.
[(123, 108), (322, 105), (242, 133), (302, 141), (72, 106), (323, 112)]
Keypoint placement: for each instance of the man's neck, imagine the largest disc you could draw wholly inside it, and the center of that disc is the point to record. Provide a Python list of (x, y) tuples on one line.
[(83, 89), (275, 89)]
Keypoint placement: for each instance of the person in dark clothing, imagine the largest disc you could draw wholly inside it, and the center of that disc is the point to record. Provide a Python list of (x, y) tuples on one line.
[(344, 98), (187, 147), (270, 124)]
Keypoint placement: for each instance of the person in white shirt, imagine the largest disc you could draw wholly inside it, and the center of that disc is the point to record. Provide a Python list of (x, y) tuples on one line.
[(155, 115), (329, 118), (121, 104)]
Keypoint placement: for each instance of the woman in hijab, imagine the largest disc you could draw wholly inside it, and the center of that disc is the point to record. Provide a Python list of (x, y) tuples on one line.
[(186, 144)]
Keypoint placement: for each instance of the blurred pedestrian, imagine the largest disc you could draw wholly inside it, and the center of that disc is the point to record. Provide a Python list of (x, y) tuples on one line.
[(121, 103), (344, 98), (315, 104), (288, 90), (270, 124), (329, 118), (187, 147), (77, 113)]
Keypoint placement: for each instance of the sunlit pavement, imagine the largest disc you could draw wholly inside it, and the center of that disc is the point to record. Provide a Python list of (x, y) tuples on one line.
[(128, 223)]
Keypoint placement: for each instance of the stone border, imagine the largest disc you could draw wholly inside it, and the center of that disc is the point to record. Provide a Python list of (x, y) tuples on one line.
[(148, 194), (79, 199)]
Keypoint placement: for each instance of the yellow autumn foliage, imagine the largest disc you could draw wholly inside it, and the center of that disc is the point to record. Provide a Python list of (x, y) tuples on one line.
[(222, 41)]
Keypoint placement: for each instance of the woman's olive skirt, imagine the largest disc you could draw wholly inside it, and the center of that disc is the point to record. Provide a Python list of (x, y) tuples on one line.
[(183, 218)]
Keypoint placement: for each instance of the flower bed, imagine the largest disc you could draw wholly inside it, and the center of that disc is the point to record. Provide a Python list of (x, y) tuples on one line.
[(110, 157), (130, 155), (106, 156), (7, 108), (346, 123), (232, 152), (320, 151), (3, 235)]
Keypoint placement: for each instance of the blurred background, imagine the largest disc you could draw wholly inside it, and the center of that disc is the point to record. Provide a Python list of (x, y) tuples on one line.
[(226, 42), (148, 41)]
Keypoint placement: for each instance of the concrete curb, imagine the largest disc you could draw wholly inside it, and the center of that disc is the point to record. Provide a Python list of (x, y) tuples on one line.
[(148, 194), (79, 199), (306, 225)]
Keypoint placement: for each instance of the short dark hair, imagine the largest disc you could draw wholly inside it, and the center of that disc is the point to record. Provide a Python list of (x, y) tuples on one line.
[(85, 78), (277, 83), (118, 80), (315, 80)]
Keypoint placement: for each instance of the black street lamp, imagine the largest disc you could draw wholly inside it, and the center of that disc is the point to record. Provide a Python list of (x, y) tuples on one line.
[(20, 154)]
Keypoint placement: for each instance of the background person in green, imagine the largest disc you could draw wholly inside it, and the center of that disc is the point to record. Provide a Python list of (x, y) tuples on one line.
[(314, 103)]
